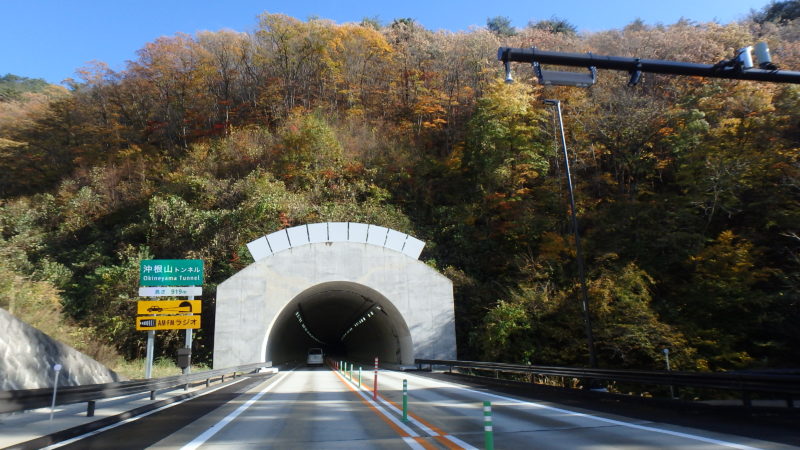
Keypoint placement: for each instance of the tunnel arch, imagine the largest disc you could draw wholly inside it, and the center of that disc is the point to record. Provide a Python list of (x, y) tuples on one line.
[(356, 290), (345, 319)]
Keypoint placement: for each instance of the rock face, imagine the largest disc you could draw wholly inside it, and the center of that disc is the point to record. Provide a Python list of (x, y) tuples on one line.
[(27, 357)]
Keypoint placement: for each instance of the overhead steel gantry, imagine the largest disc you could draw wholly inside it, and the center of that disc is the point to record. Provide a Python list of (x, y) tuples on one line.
[(740, 67)]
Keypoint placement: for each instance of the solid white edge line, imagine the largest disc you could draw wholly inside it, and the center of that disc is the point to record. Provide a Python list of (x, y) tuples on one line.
[(397, 410), (449, 437), (410, 418), (214, 429), (459, 442), (412, 443), (394, 420), (135, 418), (601, 419), (409, 440)]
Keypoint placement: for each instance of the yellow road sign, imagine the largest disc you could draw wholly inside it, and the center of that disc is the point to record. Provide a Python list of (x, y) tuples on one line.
[(167, 322), (168, 307)]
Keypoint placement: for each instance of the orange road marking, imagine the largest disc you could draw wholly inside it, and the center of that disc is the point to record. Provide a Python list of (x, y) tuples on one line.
[(447, 443), (397, 429)]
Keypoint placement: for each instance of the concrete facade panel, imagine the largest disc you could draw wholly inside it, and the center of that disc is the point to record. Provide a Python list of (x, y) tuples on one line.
[(317, 232), (377, 235), (419, 300), (395, 240), (298, 235), (357, 232), (278, 241), (337, 231), (413, 247), (259, 248)]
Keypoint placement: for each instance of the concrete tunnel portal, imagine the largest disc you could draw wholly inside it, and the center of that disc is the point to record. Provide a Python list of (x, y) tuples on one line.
[(346, 320), (355, 290)]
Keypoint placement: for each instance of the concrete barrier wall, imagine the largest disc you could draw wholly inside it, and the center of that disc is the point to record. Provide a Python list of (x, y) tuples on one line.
[(27, 357)]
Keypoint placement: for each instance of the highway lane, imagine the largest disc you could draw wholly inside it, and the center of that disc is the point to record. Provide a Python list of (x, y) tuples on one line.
[(303, 408), (320, 408), (521, 423)]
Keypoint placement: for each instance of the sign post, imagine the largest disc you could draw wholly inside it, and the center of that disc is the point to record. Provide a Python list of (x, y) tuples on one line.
[(151, 343), (188, 369)]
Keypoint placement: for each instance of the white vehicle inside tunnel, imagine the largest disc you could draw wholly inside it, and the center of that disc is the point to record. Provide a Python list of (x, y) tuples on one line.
[(315, 357)]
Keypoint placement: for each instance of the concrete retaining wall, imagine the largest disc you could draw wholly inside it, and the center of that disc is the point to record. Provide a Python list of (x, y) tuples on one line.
[(27, 357)]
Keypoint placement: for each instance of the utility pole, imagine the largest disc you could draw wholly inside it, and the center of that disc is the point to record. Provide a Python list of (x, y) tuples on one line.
[(587, 321)]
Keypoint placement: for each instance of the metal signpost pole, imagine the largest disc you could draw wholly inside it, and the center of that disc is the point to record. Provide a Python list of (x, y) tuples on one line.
[(148, 367), (151, 344), (188, 368)]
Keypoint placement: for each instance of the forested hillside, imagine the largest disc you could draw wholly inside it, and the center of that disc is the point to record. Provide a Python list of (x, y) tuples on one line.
[(688, 189)]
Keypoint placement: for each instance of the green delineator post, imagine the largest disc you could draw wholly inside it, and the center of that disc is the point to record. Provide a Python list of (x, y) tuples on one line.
[(488, 434), (405, 400)]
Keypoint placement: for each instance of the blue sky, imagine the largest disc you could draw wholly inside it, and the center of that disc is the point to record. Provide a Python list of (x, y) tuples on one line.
[(50, 39)]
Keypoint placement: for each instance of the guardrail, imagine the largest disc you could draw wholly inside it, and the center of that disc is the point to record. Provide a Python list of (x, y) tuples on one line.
[(21, 400), (787, 385)]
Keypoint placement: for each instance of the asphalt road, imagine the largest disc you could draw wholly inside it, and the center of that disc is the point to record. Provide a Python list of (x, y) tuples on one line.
[(318, 408)]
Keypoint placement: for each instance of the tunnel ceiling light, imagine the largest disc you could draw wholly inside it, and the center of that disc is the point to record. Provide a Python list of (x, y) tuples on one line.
[(305, 328), (361, 320)]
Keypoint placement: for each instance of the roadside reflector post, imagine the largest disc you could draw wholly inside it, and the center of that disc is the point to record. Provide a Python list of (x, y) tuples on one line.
[(359, 377), (375, 382), (57, 368), (90, 405), (488, 434), (350, 372), (405, 400)]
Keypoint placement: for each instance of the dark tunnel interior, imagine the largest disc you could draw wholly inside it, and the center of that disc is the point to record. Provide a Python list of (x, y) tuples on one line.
[(347, 320)]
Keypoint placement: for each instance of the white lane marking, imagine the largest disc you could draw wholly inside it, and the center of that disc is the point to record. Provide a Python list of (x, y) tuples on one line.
[(135, 418), (393, 408), (601, 419), (422, 426), (391, 417), (459, 442), (416, 422), (200, 440), (412, 443)]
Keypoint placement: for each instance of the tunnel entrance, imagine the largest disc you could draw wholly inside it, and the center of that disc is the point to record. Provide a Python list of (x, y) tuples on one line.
[(347, 320), (358, 291)]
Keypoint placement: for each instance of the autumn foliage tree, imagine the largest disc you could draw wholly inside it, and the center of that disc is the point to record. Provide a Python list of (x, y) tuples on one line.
[(687, 189)]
